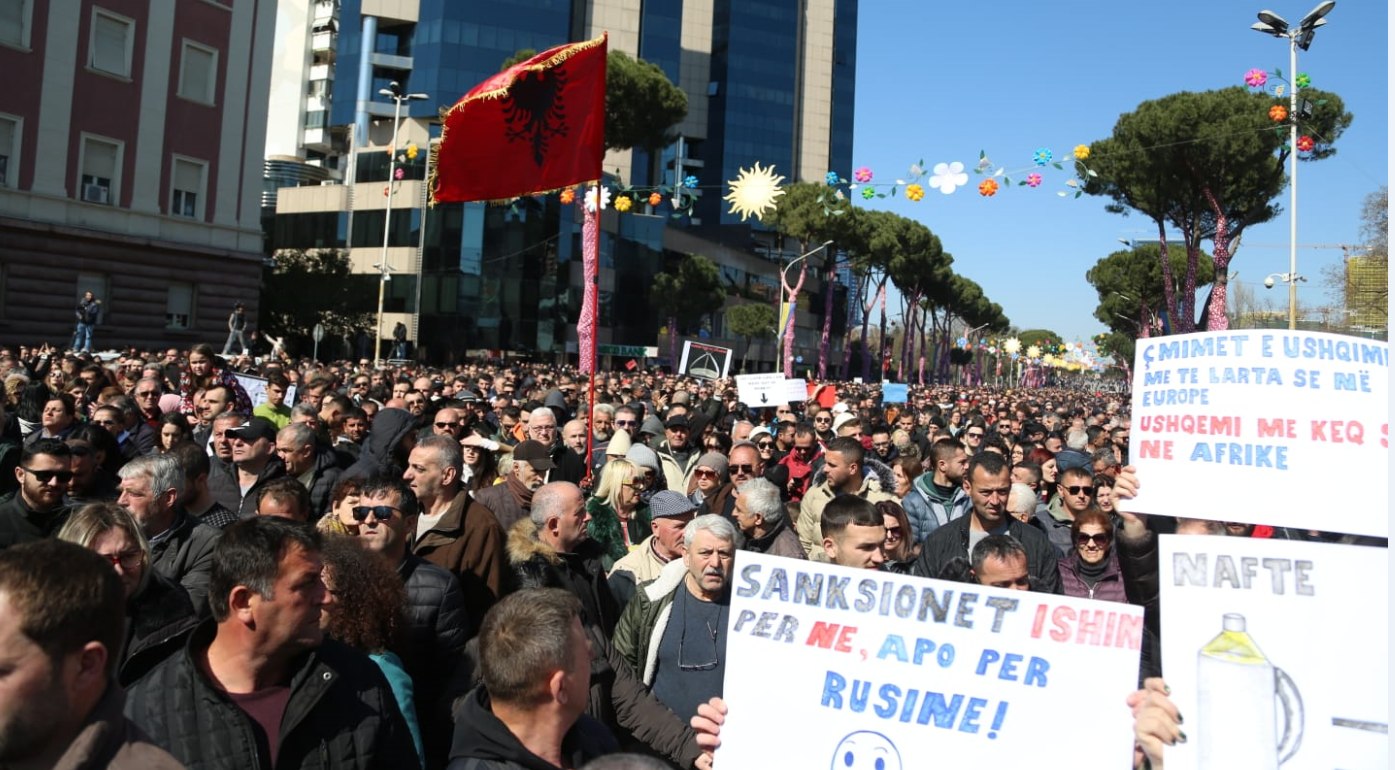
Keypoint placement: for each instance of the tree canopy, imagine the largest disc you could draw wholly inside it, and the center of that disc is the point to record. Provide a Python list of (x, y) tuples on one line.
[(1131, 291), (687, 290), (324, 274)]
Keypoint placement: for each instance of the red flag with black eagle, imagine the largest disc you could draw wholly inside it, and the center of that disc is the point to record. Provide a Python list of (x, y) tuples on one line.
[(535, 127)]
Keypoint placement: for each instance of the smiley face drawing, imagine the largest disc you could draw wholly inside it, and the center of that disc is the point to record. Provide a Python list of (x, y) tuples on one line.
[(866, 750)]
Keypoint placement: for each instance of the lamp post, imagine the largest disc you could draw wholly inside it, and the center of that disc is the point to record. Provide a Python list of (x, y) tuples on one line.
[(792, 292), (1271, 23), (393, 92)]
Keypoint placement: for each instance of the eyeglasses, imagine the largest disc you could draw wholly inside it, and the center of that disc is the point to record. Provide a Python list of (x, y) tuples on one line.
[(379, 512), (44, 477), (543, 428), (706, 473), (707, 666), (1079, 490), (126, 559), (745, 469), (1102, 539), (823, 419)]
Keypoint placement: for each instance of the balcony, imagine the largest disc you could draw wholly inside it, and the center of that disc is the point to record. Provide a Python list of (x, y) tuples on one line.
[(325, 10), (322, 41), (390, 61)]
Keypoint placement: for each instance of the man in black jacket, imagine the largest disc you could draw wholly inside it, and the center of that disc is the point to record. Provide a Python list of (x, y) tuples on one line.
[(181, 549), (36, 510), (552, 550), (436, 620), (258, 684), (988, 482)]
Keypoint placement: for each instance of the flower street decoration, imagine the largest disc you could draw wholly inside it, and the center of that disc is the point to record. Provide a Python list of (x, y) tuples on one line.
[(868, 193), (832, 179), (988, 188), (690, 181), (1306, 144), (623, 203), (863, 175), (597, 196), (1256, 78), (1278, 113), (1302, 81), (1012, 345), (1042, 156), (567, 196), (1082, 152), (1033, 180), (655, 198), (948, 176), (1033, 352), (753, 191), (915, 192)]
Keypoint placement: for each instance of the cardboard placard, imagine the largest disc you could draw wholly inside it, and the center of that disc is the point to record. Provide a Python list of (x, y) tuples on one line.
[(1250, 419), (704, 361), (769, 389), (256, 389), (869, 665)]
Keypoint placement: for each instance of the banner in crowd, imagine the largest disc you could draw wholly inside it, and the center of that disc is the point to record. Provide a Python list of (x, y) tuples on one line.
[(1275, 651), (256, 389), (704, 361), (895, 392), (1242, 425), (879, 670), (768, 389)]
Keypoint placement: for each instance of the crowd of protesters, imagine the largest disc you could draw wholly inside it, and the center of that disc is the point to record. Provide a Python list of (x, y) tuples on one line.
[(494, 565)]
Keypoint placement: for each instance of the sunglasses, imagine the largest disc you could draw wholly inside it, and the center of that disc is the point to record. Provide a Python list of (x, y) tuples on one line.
[(705, 473), (765, 444), (148, 394), (893, 533), (804, 450), (822, 419), (746, 469), (626, 423), (1101, 540), (972, 434), (379, 512), (444, 425), (44, 477), (127, 559), (1073, 490)]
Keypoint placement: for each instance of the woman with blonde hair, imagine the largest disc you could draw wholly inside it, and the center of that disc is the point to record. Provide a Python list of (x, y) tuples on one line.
[(159, 614), (619, 516)]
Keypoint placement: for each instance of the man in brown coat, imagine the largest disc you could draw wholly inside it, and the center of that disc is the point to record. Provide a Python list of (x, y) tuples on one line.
[(511, 500), (452, 533)]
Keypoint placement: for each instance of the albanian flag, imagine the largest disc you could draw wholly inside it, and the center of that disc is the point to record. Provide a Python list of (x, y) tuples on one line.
[(537, 126)]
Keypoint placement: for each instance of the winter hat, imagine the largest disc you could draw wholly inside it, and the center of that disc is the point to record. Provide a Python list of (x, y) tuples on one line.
[(652, 425), (666, 503), (713, 460), (841, 420), (644, 457), (619, 444)]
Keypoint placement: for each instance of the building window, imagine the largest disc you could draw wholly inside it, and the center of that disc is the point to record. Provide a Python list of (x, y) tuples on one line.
[(186, 188), (101, 170), (198, 73), (10, 131), (112, 40), (179, 306), (15, 18)]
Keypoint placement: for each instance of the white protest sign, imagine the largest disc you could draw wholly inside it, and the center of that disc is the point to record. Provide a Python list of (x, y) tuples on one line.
[(833, 667), (256, 389), (1239, 425), (769, 389), (1275, 651), (709, 362)]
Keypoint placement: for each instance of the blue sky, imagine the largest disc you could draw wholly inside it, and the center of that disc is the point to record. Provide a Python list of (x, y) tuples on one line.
[(943, 80)]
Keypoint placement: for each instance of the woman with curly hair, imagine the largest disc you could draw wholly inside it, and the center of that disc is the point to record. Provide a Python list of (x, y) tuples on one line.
[(206, 370), (619, 517), (365, 612)]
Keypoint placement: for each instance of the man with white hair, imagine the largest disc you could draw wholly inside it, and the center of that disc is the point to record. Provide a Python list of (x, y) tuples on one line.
[(542, 428), (181, 549), (673, 633), (760, 513), (1022, 503)]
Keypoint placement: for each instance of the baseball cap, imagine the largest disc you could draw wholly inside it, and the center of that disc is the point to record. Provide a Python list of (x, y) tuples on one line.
[(253, 429), (669, 503), (535, 454), (677, 421), (1067, 459)]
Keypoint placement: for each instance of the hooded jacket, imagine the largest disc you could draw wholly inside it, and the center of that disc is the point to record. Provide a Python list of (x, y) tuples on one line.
[(876, 486), (389, 428), (482, 742), (928, 509)]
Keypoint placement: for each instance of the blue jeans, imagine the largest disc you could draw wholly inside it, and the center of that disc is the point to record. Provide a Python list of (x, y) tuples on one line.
[(235, 334), (82, 338)]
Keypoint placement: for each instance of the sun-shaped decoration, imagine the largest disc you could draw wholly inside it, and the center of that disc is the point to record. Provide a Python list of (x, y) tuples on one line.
[(754, 190), (1033, 351), (1012, 345)]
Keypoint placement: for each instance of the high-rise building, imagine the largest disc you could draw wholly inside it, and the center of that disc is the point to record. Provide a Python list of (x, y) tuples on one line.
[(130, 165), (766, 80)]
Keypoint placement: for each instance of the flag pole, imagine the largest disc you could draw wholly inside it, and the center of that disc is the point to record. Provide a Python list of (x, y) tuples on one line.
[(590, 301)]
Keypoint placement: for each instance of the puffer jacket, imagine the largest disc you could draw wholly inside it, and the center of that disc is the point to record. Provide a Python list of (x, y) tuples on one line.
[(642, 625), (323, 477), (378, 455), (341, 713), (951, 542), (437, 629), (877, 485), (482, 742), (538, 565), (928, 509), (1109, 587), (158, 621)]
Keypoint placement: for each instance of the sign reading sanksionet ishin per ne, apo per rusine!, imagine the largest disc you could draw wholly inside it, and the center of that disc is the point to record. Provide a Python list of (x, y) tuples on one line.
[(1248, 426), (832, 668)]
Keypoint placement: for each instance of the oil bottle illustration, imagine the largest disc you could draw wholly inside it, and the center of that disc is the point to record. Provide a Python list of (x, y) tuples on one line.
[(1251, 713)]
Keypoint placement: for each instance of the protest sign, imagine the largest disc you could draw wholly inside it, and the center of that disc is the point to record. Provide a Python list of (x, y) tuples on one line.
[(256, 389), (708, 362), (769, 389), (1238, 425), (1275, 651), (895, 392), (880, 670)]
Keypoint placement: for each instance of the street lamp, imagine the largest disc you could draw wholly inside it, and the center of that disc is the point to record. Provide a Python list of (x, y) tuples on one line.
[(1271, 23), (393, 92), (788, 329)]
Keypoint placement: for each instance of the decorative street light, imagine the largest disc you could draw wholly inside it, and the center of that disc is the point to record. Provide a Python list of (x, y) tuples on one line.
[(393, 92), (1271, 23)]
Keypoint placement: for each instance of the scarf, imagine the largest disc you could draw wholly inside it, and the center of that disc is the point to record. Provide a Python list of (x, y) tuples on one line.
[(521, 493), (1091, 573)]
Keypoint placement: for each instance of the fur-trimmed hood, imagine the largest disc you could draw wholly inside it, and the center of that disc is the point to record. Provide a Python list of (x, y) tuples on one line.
[(523, 544), (882, 479)]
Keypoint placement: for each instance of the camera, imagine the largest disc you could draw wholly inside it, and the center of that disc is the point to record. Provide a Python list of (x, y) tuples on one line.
[(1269, 282)]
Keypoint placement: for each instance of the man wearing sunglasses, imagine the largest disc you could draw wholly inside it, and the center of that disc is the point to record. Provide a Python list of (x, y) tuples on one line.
[(437, 623), (36, 511), (1075, 491)]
